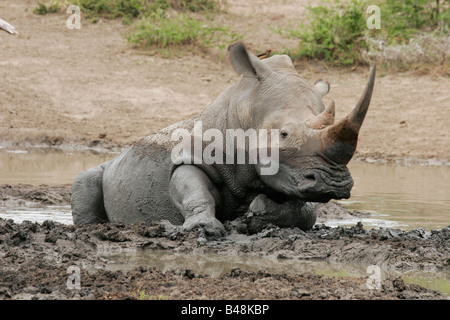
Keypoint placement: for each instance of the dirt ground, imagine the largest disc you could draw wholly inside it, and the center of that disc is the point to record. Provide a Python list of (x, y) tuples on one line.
[(87, 88), (35, 258)]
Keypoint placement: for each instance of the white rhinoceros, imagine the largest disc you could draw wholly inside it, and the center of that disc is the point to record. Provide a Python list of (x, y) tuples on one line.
[(147, 183)]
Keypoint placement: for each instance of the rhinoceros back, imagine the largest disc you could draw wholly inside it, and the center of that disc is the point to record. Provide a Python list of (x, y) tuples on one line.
[(136, 183)]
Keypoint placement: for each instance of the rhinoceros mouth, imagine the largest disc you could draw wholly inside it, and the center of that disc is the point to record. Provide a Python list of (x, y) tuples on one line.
[(323, 185)]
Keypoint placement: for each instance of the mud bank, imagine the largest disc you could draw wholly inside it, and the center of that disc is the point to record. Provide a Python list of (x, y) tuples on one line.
[(12, 194), (104, 146), (35, 259)]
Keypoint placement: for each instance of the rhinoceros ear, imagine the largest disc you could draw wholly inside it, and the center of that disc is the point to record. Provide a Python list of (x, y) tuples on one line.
[(246, 63), (322, 86)]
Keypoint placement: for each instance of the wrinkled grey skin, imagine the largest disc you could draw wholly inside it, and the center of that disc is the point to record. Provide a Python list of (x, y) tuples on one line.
[(142, 184)]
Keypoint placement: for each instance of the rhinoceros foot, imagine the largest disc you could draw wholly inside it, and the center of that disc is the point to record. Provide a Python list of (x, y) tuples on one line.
[(295, 213), (213, 228)]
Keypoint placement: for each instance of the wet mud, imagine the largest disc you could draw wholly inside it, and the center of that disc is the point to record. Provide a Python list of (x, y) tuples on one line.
[(45, 260)]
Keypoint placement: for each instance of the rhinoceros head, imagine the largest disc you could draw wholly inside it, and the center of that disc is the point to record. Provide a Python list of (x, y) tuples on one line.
[(313, 150)]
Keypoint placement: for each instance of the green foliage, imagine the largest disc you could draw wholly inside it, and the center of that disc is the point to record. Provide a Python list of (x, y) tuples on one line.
[(402, 20), (333, 33), (195, 5), (338, 32), (151, 24), (43, 8), (161, 31), (127, 8), (144, 296), (119, 8)]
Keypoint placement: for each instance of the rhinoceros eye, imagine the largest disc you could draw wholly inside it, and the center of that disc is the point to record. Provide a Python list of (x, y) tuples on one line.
[(284, 134)]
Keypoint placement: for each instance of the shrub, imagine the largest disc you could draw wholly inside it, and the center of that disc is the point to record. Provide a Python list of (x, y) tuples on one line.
[(195, 5), (333, 33), (161, 31), (152, 26), (43, 9), (403, 20), (120, 8), (338, 33), (126, 8)]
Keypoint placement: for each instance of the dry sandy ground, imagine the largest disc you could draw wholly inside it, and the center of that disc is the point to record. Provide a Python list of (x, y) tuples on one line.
[(87, 87)]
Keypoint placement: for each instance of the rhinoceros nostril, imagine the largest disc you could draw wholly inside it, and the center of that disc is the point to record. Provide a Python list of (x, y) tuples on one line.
[(309, 176), (308, 182)]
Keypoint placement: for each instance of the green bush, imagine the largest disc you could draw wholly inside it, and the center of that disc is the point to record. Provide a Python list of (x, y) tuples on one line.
[(127, 8), (43, 9), (161, 31), (151, 25), (195, 5), (402, 20), (120, 8), (338, 34), (333, 33)]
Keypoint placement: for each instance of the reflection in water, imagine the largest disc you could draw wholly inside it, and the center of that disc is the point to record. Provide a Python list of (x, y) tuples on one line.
[(413, 196), (216, 265), (42, 167), (397, 196), (37, 213), (38, 167)]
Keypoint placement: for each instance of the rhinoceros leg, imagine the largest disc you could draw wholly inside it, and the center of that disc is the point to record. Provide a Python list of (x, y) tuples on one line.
[(87, 197), (196, 198), (294, 213)]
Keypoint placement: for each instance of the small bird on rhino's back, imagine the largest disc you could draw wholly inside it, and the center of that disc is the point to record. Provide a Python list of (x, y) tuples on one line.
[(265, 54)]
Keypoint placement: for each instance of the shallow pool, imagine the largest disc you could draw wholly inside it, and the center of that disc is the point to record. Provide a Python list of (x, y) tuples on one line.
[(216, 265), (405, 197)]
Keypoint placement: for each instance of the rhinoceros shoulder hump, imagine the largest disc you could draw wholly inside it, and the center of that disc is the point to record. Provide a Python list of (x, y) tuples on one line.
[(280, 61)]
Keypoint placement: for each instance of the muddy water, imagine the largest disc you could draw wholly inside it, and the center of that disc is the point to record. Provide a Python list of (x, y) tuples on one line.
[(407, 196), (46, 167), (216, 265), (37, 212), (41, 166), (397, 196)]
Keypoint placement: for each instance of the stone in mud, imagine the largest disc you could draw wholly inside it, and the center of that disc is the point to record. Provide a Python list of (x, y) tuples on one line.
[(386, 234), (188, 273), (4, 293), (19, 237), (418, 233), (6, 226), (334, 210), (48, 224), (51, 237)]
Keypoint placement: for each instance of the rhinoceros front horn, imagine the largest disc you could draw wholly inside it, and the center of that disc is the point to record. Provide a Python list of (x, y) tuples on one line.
[(338, 142)]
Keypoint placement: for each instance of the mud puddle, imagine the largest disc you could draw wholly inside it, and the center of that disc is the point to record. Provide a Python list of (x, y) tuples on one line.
[(36, 212), (396, 196), (218, 265)]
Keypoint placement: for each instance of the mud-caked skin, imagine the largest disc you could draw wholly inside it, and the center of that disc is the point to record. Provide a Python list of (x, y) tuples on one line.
[(143, 184)]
